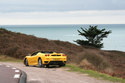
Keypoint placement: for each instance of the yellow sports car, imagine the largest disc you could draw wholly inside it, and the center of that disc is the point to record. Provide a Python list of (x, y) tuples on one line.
[(43, 59)]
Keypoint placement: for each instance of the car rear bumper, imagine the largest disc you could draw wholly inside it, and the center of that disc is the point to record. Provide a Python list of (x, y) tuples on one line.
[(55, 62)]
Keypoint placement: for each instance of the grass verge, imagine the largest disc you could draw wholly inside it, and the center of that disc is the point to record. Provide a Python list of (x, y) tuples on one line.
[(95, 74), (4, 58)]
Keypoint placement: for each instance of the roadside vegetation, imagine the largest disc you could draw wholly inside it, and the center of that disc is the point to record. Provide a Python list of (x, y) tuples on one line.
[(18, 45), (5, 58), (95, 74)]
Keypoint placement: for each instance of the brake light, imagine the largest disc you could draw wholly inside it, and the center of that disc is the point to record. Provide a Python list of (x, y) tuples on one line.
[(47, 55), (64, 55)]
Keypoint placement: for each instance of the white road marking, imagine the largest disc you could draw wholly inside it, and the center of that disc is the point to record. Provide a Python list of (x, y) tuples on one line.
[(16, 76), (7, 66), (17, 70), (13, 68)]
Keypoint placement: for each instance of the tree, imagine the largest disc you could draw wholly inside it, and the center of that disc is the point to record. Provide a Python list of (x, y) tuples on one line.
[(93, 36)]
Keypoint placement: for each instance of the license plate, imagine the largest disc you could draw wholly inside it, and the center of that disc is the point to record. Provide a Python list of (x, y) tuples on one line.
[(56, 59)]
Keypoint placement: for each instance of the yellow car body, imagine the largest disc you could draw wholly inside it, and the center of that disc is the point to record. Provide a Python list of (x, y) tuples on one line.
[(45, 59)]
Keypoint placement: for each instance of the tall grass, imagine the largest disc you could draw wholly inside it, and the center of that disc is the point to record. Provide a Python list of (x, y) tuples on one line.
[(4, 58), (95, 74)]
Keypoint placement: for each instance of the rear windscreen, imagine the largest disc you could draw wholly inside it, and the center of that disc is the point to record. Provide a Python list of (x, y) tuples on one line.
[(46, 52)]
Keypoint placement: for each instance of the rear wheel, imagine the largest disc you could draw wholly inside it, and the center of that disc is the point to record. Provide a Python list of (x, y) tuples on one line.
[(61, 65), (47, 66), (40, 64), (26, 62)]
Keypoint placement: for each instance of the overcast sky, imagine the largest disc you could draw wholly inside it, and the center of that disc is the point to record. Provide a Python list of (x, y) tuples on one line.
[(62, 12)]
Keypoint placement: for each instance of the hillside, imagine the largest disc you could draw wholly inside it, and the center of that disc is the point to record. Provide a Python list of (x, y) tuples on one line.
[(19, 45)]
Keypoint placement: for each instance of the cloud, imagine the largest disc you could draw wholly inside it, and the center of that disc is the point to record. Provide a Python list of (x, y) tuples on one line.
[(59, 5), (62, 11), (67, 17)]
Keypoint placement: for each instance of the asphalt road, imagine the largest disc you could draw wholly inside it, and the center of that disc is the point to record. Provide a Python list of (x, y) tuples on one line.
[(9, 74), (53, 75)]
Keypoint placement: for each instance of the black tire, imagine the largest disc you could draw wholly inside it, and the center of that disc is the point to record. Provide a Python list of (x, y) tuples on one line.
[(40, 64), (26, 62), (61, 65), (64, 65), (47, 66)]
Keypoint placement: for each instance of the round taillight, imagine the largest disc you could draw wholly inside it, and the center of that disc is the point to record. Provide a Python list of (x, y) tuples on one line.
[(47, 55), (64, 55)]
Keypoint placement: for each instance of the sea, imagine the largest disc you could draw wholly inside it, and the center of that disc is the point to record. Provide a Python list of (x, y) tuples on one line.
[(114, 41)]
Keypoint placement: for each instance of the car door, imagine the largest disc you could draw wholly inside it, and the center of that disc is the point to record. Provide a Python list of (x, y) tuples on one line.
[(33, 58)]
